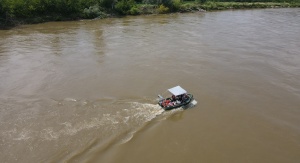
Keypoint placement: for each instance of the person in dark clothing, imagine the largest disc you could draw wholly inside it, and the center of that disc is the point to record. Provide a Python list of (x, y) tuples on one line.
[(179, 98), (173, 98), (184, 98)]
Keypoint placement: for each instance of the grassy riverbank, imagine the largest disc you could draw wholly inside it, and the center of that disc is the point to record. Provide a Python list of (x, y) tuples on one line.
[(15, 12)]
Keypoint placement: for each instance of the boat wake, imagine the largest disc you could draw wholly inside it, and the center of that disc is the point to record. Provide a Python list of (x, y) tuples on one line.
[(63, 122)]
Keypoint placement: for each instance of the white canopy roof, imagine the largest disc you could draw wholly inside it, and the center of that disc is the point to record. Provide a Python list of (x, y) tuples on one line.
[(177, 90)]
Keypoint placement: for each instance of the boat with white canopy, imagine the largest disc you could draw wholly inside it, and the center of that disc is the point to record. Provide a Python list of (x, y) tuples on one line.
[(179, 98)]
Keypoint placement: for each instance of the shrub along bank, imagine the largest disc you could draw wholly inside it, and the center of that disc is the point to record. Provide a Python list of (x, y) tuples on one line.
[(14, 12)]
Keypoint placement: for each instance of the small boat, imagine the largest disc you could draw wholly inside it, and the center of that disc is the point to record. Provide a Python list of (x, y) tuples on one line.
[(179, 98)]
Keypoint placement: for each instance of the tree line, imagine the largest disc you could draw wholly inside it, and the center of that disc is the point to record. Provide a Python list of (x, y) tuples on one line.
[(22, 9)]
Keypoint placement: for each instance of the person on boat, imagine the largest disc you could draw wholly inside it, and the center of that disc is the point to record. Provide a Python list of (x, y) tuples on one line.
[(184, 97), (173, 98), (166, 103), (179, 97)]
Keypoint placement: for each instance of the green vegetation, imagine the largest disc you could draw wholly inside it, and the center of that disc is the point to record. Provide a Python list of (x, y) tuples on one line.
[(125, 7), (13, 12)]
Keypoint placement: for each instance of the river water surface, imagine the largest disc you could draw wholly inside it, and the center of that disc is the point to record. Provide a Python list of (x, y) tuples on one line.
[(85, 91)]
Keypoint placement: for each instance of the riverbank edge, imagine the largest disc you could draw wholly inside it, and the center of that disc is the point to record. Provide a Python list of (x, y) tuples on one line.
[(147, 9)]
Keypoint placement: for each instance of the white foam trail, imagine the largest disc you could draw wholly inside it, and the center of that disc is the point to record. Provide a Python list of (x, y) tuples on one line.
[(49, 134), (24, 135), (131, 118), (139, 115), (70, 99), (142, 113), (146, 112)]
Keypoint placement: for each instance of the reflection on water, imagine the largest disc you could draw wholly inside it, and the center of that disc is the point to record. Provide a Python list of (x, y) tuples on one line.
[(85, 91)]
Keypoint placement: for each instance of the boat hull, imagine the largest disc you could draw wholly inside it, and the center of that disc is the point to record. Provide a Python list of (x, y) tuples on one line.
[(184, 103)]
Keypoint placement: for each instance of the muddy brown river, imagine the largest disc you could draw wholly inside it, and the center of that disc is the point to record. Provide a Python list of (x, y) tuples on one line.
[(85, 91)]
